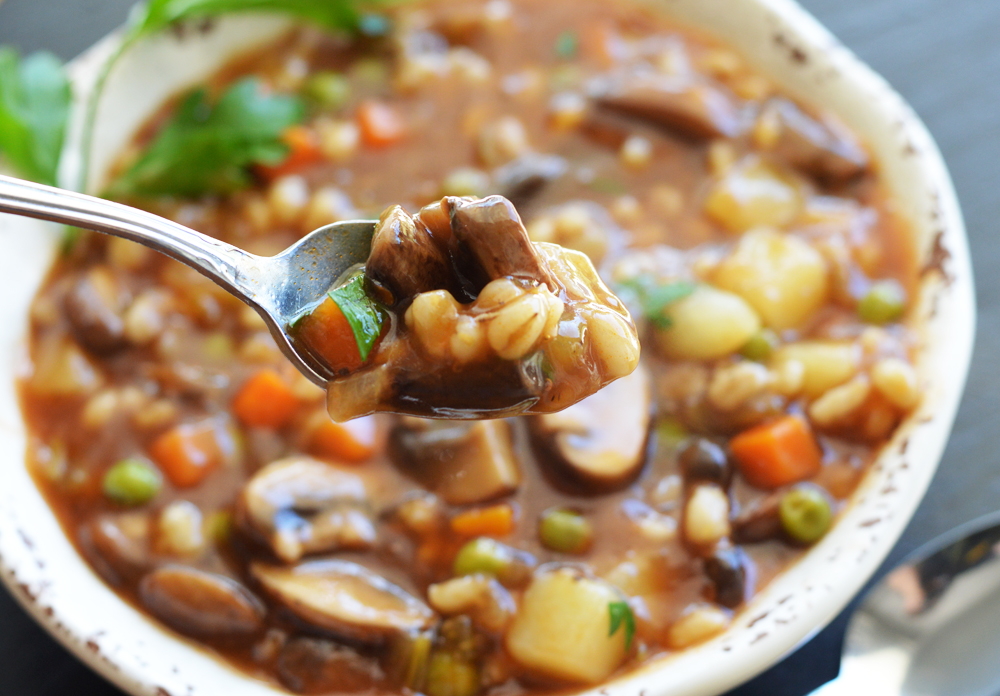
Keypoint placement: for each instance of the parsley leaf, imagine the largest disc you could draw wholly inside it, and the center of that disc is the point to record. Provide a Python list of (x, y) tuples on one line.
[(567, 44), (329, 14), (34, 107), (209, 148), (362, 313), (621, 614), (654, 297)]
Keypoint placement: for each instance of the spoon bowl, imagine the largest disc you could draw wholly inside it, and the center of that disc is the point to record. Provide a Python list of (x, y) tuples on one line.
[(277, 287)]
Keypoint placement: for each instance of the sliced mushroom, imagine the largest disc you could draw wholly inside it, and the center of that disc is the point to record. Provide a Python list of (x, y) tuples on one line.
[(688, 108), (94, 307), (827, 153), (731, 573), (201, 604), (461, 462), (490, 232), (344, 598), (600, 442), (759, 521), (405, 258), (300, 505), (118, 545), (317, 666), (522, 179)]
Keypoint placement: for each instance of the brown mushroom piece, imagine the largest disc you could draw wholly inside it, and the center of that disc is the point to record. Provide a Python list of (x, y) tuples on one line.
[(521, 180), (299, 505), (823, 150), (118, 545), (201, 604), (683, 105), (318, 666), (344, 598), (94, 306), (406, 259), (462, 462), (599, 444), (759, 521)]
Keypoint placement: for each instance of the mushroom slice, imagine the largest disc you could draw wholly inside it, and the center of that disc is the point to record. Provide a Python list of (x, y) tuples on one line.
[(118, 545), (520, 180), (688, 108), (344, 598), (201, 604), (94, 308), (463, 463), (405, 258), (300, 505), (823, 150), (600, 442), (491, 233)]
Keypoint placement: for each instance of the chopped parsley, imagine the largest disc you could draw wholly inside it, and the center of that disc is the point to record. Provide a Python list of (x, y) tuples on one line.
[(654, 297), (621, 614)]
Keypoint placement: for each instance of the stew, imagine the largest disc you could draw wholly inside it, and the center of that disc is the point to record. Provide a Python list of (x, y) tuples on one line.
[(760, 257)]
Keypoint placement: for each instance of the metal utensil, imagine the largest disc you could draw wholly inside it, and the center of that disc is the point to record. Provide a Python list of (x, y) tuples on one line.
[(931, 627), (278, 287)]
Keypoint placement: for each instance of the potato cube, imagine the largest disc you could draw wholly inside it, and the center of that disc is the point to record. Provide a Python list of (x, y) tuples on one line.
[(561, 629), (706, 325), (781, 276), (751, 194), (826, 364)]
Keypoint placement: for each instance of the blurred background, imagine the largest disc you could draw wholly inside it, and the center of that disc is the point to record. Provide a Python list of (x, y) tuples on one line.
[(943, 56)]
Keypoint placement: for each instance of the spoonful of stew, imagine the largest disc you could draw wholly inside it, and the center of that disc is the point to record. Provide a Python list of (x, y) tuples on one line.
[(449, 313)]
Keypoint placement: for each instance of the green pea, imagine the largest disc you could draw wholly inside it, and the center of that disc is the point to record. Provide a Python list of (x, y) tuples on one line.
[(885, 301), (328, 89), (670, 433), (132, 482), (760, 346), (483, 555), (805, 513), (565, 531), (449, 674)]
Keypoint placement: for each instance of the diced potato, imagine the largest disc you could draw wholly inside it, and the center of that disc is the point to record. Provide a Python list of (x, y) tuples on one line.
[(698, 623), (62, 369), (753, 194), (826, 364), (707, 324), (781, 276), (561, 629)]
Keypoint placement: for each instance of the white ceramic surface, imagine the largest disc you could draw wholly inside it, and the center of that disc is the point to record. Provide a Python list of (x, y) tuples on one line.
[(55, 585)]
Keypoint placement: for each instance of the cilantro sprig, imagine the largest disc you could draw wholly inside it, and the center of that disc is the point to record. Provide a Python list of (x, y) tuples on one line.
[(363, 314), (621, 614), (209, 147), (653, 297), (34, 107)]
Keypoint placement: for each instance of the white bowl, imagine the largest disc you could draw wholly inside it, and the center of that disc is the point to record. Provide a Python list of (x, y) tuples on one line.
[(47, 576)]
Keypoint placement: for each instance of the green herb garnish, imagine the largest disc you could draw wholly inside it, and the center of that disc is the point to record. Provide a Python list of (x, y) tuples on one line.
[(209, 148), (605, 184), (654, 297), (34, 106), (621, 614), (159, 14), (362, 313), (567, 44)]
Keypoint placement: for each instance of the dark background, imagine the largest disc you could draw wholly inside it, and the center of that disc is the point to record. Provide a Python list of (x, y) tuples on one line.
[(942, 55)]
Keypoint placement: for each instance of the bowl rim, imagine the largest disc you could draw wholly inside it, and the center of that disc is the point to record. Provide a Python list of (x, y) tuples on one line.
[(777, 620)]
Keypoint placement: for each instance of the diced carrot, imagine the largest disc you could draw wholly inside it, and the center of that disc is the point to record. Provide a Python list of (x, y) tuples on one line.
[(304, 149), (265, 400), (353, 441), (188, 453), (327, 333), (492, 521), (380, 124), (777, 453)]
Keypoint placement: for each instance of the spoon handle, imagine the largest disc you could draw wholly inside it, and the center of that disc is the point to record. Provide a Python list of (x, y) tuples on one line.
[(230, 267)]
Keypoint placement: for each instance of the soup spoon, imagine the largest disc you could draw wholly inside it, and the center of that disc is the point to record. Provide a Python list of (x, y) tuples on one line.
[(277, 287), (929, 627)]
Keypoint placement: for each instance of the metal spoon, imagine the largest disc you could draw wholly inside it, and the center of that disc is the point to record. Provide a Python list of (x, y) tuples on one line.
[(931, 627), (278, 287)]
